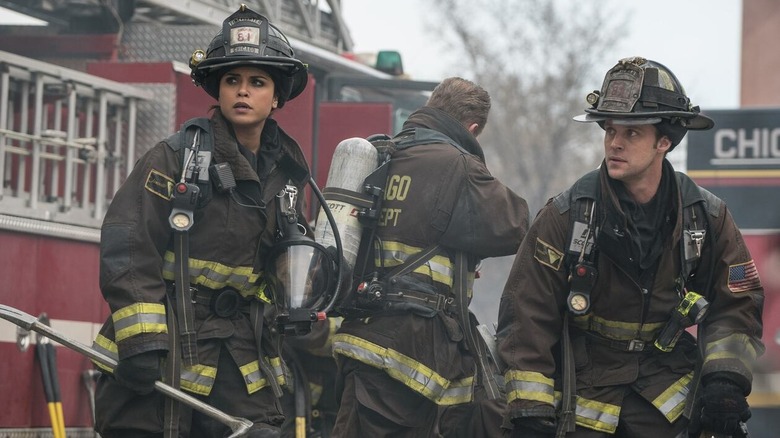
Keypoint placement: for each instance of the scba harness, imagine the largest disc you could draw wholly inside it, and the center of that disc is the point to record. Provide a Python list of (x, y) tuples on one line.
[(393, 290), (396, 290), (581, 254), (194, 144), (580, 260)]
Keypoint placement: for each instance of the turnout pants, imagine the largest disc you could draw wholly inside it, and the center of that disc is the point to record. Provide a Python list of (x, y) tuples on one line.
[(374, 404), (122, 413)]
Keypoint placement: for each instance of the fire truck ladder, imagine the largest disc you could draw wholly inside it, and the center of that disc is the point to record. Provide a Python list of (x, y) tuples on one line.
[(67, 139)]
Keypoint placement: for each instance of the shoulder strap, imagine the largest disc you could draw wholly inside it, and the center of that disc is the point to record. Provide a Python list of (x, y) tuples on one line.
[(371, 198), (414, 262), (194, 137), (580, 199), (375, 184), (194, 144), (698, 204)]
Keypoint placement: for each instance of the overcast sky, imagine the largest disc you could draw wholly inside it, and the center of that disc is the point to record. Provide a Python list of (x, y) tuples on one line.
[(699, 40)]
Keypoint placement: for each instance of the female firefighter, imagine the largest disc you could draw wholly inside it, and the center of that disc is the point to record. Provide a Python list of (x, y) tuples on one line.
[(185, 244)]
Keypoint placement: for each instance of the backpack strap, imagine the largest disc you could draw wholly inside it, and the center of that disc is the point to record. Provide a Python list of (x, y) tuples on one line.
[(373, 194), (195, 163), (376, 182), (194, 144), (698, 205), (581, 253)]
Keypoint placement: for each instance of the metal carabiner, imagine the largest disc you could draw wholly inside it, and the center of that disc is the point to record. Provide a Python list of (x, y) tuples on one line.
[(291, 193)]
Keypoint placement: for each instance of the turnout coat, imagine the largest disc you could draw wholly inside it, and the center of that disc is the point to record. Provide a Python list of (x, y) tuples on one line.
[(613, 343), (228, 244)]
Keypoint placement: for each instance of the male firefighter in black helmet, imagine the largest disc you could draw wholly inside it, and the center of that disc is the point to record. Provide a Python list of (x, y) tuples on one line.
[(613, 274), (408, 349), (189, 235)]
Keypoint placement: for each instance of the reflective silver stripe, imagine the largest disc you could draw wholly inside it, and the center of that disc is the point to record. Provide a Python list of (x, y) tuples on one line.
[(254, 378), (406, 370), (276, 365), (215, 275), (439, 267), (198, 379), (529, 385), (103, 345), (139, 318), (671, 402), (142, 318), (399, 257), (618, 330), (597, 415), (737, 346)]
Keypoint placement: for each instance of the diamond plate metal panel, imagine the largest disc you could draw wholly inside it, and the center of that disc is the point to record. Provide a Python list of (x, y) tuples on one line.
[(156, 118), (149, 42)]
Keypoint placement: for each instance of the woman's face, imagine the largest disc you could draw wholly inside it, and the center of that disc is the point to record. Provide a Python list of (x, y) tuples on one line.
[(247, 96)]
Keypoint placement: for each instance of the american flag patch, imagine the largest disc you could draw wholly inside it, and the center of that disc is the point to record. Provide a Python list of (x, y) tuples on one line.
[(743, 277)]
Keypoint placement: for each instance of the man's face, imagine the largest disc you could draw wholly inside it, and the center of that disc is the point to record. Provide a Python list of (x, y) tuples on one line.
[(633, 153), (246, 95)]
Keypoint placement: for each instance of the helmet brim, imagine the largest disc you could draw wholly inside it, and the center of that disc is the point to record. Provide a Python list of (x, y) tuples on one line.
[(288, 66), (293, 70), (627, 121), (696, 123)]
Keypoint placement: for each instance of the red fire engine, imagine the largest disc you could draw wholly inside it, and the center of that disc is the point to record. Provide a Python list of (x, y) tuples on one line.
[(82, 98)]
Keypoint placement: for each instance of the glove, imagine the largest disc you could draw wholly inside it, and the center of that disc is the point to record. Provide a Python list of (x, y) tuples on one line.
[(723, 406), (533, 427), (139, 372)]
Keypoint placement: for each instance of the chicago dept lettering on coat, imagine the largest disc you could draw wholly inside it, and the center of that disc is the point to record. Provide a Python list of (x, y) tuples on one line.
[(397, 190)]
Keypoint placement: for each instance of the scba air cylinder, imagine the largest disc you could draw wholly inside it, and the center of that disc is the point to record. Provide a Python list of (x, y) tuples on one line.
[(353, 160)]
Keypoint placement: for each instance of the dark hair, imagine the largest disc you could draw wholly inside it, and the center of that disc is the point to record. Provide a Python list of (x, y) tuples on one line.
[(462, 99), (674, 130)]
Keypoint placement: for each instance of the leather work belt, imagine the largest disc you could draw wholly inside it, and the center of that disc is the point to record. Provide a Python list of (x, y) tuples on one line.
[(634, 345), (437, 302), (225, 303)]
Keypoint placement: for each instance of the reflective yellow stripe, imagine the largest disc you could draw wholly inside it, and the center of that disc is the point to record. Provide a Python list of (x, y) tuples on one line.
[(406, 370), (618, 330), (214, 275), (198, 378), (276, 365), (732, 347), (103, 345), (596, 415), (529, 385), (334, 322), (671, 402), (139, 318), (255, 380), (439, 268), (316, 392)]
